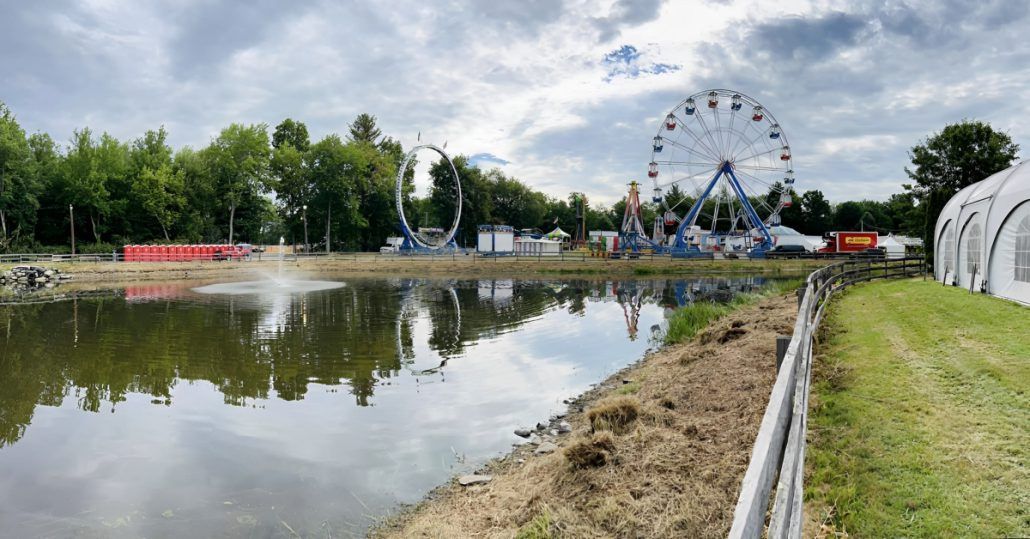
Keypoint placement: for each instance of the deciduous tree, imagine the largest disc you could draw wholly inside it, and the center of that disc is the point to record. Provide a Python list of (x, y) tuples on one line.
[(238, 161), (961, 154)]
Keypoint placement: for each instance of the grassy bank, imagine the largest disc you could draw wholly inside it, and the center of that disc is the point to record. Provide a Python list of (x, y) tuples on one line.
[(658, 450), (920, 425), (685, 323)]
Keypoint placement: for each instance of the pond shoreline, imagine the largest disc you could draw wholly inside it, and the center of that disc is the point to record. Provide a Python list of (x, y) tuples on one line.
[(674, 470), (116, 273)]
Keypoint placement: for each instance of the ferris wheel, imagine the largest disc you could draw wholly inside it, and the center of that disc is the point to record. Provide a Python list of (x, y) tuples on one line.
[(726, 153)]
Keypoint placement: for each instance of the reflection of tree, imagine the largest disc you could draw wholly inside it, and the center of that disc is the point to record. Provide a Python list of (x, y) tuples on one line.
[(100, 350)]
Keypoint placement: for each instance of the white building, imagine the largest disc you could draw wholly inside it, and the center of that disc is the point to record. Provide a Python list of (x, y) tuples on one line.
[(982, 238), (495, 239), (609, 236), (525, 245)]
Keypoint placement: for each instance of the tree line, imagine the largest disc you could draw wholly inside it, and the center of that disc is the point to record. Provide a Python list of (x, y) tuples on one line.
[(249, 185)]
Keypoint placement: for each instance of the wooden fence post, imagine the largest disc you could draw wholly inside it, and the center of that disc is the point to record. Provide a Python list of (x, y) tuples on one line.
[(782, 342)]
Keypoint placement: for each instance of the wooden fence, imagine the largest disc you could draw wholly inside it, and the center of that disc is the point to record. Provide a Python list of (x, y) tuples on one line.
[(779, 450)]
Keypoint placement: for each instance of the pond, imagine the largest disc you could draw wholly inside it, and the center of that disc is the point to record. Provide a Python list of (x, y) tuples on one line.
[(160, 411)]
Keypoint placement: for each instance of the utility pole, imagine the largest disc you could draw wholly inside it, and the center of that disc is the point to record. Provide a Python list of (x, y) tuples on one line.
[(304, 218), (71, 224), (328, 220)]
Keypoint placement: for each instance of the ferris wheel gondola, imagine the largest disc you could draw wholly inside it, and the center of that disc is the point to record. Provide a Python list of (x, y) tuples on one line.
[(733, 160)]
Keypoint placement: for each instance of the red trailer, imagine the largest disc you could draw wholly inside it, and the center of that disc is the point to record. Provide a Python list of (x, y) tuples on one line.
[(850, 242)]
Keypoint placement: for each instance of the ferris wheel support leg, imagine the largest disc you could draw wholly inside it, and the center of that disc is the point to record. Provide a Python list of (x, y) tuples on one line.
[(681, 244), (752, 214)]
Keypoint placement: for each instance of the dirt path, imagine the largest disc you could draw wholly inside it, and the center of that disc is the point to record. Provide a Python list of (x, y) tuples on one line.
[(670, 442)]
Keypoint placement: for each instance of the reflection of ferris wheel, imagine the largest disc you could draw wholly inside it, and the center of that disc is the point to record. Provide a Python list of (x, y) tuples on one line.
[(725, 152), (427, 238)]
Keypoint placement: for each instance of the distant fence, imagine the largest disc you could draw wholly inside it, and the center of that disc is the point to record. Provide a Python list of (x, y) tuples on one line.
[(779, 448)]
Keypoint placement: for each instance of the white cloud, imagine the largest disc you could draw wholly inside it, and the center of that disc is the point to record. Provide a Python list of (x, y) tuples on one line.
[(854, 84)]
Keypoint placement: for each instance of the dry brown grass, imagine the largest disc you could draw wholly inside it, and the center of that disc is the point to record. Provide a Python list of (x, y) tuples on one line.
[(675, 470), (591, 452), (616, 414)]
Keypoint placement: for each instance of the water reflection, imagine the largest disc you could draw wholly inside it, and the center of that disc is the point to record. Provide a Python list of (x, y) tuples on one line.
[(434, 368)]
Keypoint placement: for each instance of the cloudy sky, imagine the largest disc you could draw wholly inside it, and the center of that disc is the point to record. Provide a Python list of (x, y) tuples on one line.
[(564, 94)]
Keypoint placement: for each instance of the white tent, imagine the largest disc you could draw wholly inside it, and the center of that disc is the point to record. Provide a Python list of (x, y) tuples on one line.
[(525, 245), (557, 234), (982, 238), (892, 247)]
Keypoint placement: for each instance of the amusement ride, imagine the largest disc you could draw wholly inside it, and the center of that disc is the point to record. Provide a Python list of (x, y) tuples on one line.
[(427, 240), (726, 153)]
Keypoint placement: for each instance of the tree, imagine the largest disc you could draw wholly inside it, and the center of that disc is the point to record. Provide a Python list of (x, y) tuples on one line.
[(333, 166), (160, 193), (238, 162), (816, 213), (292, 182), (196, 220), (515, 203), (151, 151), (291, 133), (46, 161), (90, 168), (847, 215), (147, 154), (19, 183), (363, 128), (960, 155), (476, 199), (906, 214)]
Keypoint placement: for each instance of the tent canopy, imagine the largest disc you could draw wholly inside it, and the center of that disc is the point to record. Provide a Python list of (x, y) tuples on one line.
[(558, 233)]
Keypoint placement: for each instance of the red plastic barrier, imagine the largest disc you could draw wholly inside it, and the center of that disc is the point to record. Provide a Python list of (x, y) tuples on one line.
[(183, 253)]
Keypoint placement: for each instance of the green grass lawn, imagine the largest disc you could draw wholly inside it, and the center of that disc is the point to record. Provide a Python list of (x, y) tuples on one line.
[(920, 421)]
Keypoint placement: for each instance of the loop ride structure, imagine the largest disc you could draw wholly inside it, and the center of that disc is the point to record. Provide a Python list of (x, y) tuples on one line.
[(430, 240)]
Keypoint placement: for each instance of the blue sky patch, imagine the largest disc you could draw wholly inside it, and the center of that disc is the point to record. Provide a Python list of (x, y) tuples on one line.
[(626, 62), (486, 159)]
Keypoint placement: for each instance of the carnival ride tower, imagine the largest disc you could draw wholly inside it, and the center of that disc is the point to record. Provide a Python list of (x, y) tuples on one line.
[(579, 237), (632, 236)]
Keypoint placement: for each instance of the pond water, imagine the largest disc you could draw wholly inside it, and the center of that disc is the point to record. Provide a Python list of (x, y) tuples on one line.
[(165, 412)]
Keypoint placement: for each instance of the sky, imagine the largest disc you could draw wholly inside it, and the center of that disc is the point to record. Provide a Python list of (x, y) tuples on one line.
[(563, 94)]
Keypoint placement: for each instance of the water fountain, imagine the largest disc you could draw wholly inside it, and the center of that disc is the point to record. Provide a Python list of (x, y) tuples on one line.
[(272, 284)]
